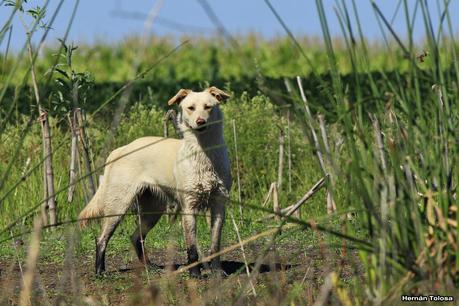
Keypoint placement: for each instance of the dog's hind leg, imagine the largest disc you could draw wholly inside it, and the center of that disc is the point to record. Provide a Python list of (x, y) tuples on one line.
[(116, 206), (110, 224), (151, 209)]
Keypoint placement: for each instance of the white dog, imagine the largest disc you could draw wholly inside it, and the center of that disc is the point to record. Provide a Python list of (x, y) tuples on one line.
[(193, 172)]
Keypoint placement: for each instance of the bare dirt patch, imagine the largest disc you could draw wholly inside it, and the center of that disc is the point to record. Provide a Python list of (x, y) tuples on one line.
[(124, 281)]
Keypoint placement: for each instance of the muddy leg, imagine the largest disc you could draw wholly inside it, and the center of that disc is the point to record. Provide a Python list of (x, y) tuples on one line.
[(217, 219), (189, 228), (109, 227), (150, 212)]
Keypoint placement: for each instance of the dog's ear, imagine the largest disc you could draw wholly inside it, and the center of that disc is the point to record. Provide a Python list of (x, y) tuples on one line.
[(219, 94), (182, 93)]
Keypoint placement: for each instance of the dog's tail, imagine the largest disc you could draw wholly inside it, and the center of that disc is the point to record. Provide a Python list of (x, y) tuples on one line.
[(92, 210)]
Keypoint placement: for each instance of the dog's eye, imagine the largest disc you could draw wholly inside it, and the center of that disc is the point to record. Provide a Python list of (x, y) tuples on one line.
[(207, 107), (191, 108)]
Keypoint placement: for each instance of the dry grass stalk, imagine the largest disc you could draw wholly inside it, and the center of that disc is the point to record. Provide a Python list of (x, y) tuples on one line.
[(48, 180), (84, 140), (48, 169), (289, 150), (288, 211), (317, 186), (73, 157), (280, 170), (31, 262), (331, 205), (276, 207), (269, 194)]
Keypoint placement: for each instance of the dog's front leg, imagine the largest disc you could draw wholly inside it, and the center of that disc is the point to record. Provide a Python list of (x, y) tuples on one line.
[(217, 211), (189, 228)]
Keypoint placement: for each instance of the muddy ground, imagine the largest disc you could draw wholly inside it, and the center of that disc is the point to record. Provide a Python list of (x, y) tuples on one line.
[(127, 282)]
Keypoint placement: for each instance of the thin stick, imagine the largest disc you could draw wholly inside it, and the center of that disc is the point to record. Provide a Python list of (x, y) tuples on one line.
[(309, 117), (269, 194), (48, 175), (73, 158), (239, 197), (280, 170), (288, 211), (289, 151), (276, 207), (317, 186), (247, 270), (330, 201), (86, 155), (331, 205), (48, 165)]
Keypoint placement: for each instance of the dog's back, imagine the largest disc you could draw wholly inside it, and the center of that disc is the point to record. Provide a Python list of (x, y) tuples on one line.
[(147, 162)]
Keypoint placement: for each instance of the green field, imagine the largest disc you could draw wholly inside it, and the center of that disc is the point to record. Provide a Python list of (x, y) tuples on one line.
[(383, 116)]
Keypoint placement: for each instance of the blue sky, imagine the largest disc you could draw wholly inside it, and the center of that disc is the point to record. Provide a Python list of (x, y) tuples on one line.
[(99, 20)]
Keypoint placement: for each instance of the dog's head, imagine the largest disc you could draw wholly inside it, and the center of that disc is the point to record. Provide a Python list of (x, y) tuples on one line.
[(199, 108)]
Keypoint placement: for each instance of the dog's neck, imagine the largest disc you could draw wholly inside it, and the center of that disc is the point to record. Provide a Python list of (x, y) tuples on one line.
[(211, 139)]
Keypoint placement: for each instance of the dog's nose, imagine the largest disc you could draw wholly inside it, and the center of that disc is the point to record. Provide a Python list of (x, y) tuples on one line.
[(200, 121)]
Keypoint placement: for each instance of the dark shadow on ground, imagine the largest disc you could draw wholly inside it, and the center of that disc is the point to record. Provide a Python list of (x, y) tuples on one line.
[(230, 267)]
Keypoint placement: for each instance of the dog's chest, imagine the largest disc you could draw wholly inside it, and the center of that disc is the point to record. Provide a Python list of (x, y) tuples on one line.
[(201, 173)]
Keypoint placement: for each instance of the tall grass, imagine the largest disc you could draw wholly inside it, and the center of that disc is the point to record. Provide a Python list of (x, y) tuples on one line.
[(399, 162)]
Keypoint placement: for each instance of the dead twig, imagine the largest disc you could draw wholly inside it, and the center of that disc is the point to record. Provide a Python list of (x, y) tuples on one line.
[(84, 140), (331, 206), (280, 170), (73, 157), (288, 211), (269, 194), (276, 207)]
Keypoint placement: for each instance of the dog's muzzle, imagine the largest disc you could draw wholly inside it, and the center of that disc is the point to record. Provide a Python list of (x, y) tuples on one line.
[(201, 124)]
